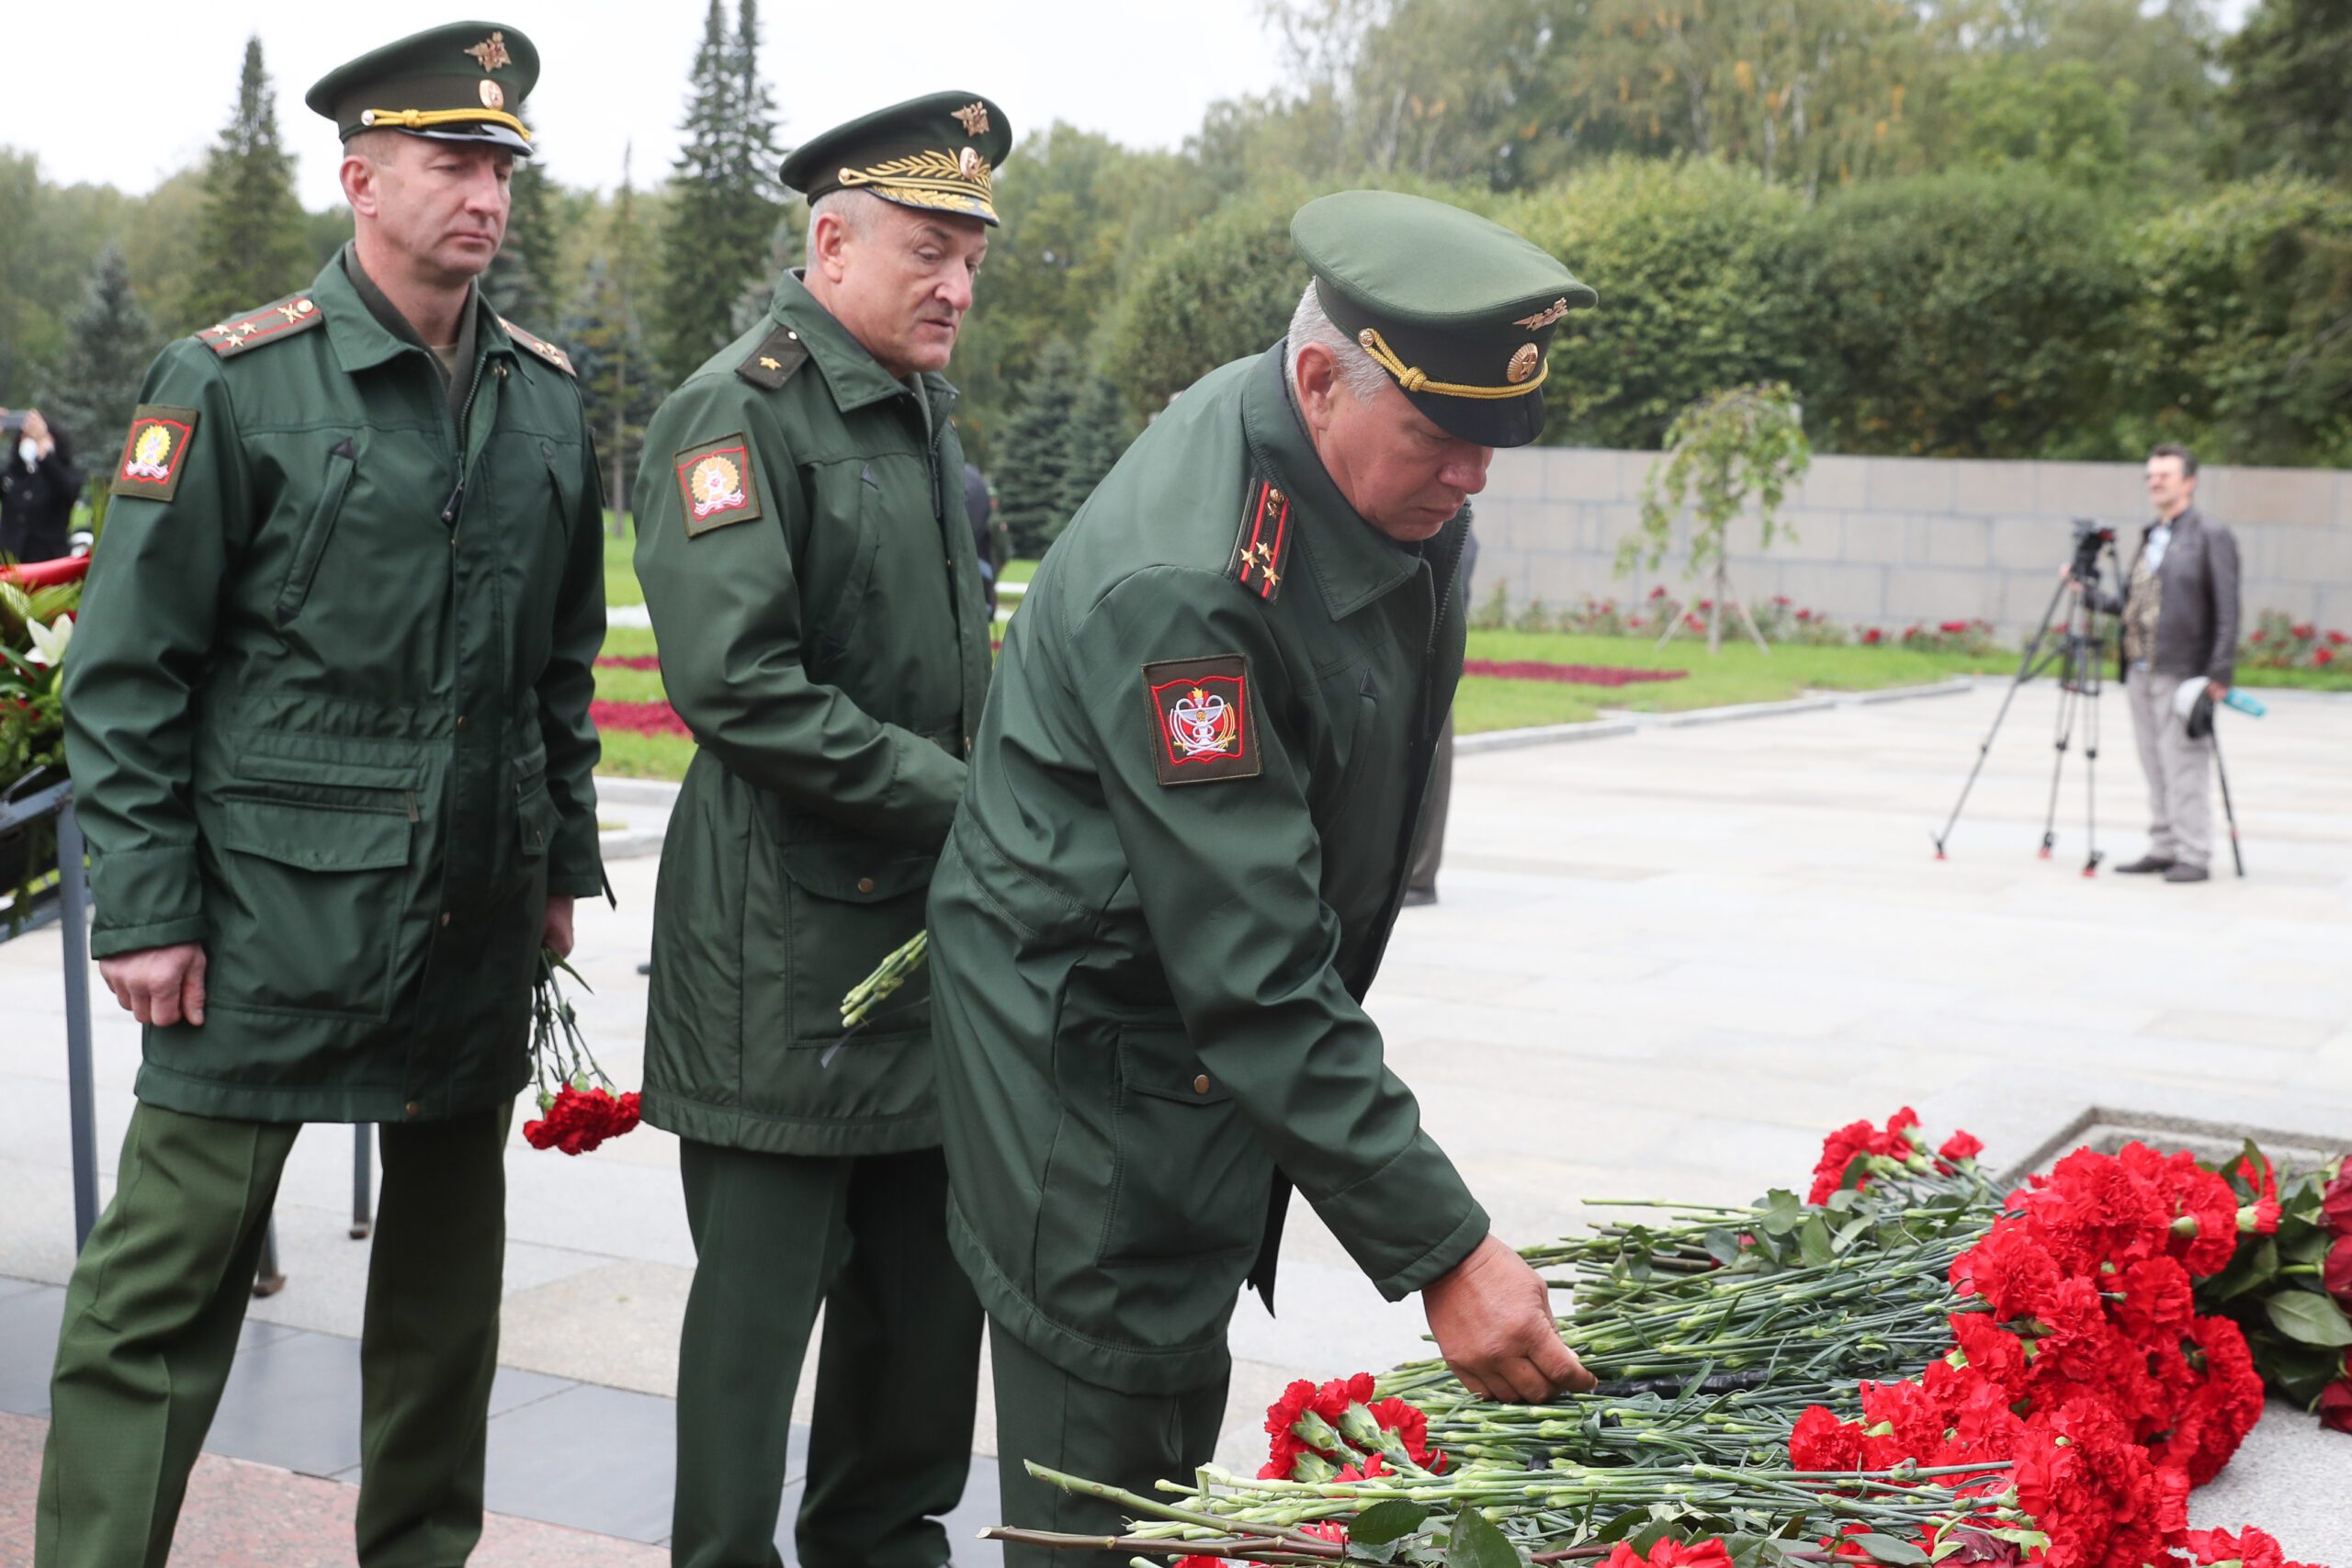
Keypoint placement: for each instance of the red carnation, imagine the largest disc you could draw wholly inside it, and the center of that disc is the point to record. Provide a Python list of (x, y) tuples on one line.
[(1960, 1146), (1820, 1441), (2251, 1546), (577, 1120), (2093, 1209), (2012, 1271), (1669, 1553)]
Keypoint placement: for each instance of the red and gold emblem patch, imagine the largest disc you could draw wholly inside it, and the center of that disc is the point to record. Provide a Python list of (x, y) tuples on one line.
[(715, 485), (152, 452), (1201, 722)]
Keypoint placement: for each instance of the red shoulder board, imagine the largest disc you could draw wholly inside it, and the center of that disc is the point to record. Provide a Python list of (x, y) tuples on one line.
[(1260, 555), (295, 313), (539, 346)]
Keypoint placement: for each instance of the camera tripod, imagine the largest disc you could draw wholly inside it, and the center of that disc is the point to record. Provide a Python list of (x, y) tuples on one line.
[(2077, 651)]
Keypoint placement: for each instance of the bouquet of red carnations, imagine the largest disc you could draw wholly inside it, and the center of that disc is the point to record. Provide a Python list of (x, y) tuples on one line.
[(578, 1109), (1902, 1369)]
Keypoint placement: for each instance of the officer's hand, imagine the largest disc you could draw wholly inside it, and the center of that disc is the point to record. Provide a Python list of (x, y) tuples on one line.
[(2066, 575), (2215, 690), (1492, 1319), (556, 932), (159, 985)]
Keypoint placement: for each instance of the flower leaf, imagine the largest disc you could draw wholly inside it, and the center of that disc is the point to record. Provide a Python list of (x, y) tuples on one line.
[(1887, 1549), (1385, 1522), (2309, 1317), (1474, 1542)]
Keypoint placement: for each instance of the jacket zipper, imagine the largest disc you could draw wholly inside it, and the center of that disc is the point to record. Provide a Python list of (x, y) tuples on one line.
[(465, 418)]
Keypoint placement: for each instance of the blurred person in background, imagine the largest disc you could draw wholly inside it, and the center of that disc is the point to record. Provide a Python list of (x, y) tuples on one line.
[(38, 487)]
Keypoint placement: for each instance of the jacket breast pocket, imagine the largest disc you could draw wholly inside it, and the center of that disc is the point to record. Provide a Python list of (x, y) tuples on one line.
[(303, 913), (1188, 1179), (318, 530), (851, 903)]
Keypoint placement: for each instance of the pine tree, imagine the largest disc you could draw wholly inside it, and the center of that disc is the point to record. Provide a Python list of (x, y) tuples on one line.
[(717, 235), (109, 341), (250, 245), (1034, 458), (517, 284), (606, 337), (1098, 435)]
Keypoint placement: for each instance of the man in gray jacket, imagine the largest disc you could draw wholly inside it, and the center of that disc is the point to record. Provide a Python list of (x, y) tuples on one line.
[(2179, 607)]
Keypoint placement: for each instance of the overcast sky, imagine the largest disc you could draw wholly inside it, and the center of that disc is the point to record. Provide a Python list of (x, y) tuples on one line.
[(152, 99)]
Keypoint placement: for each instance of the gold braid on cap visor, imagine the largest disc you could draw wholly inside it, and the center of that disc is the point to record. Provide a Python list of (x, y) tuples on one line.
[(418, 119), (1415, 381)]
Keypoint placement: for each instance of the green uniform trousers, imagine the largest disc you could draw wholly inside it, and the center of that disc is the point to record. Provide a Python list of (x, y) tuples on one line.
[(897, 1377), (1130, 1440), (158, 1295)]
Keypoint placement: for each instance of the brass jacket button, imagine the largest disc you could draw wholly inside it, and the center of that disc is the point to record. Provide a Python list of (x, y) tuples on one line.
[(866, 884), (413, 1108), (1200, 1084)]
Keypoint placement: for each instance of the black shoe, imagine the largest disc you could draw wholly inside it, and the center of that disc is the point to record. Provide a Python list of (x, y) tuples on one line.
[(2143, 865), (1417, 897), (2186, 873)]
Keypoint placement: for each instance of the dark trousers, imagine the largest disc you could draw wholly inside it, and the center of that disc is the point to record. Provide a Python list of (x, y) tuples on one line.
[(1065, 1423), (896, 1375), (158, 1295), (1429, 845)]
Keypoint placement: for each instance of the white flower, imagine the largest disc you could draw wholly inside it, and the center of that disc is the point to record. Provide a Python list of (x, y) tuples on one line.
[(49, 641)]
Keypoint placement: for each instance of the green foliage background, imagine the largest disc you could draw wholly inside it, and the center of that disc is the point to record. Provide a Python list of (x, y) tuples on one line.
[(2000, 228)]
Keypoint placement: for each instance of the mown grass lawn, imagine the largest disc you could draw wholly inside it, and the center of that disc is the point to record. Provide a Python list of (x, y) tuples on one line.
[(1739, 673)]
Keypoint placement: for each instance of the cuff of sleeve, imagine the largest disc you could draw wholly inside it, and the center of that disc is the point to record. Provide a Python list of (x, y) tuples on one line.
[(106, 940), (145, 897), (929, 784), (1408, 1222), (576, 859)]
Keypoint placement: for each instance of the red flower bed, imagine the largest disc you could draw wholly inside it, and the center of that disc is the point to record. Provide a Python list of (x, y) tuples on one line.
[(628, 661), (641, 719)]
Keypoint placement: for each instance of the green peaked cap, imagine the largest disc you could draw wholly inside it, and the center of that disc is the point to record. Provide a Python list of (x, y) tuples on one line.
[(464, 82), (1457, 309), (936, 154)]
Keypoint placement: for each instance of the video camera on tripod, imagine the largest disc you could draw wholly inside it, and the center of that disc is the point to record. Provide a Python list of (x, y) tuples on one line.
[(2078, 650)]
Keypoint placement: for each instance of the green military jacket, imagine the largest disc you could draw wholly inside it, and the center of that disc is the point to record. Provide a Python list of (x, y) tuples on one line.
[(1170, 881), (326, 707), (811, 573)]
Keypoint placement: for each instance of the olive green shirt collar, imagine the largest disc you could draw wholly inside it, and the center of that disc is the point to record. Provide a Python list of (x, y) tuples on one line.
[(853, 376), (1354, 562), (363, 331)]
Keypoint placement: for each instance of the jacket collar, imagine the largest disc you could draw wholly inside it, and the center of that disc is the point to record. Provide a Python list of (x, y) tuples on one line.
[(361, 341), (853, 376), (2188, 522), (1354, 562)]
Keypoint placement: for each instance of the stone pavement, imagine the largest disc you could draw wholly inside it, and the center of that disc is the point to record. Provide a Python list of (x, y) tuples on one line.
[(1662, 965)]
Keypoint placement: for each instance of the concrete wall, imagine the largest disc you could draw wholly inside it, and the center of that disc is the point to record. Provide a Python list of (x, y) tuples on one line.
[(1887, 541)]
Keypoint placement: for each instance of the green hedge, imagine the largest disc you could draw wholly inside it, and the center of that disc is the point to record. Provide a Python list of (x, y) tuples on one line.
[(1994, 314)]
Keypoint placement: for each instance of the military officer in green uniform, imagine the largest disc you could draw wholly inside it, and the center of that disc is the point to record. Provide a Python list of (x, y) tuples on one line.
[(812, 580), (327, 717), (1182, 848)]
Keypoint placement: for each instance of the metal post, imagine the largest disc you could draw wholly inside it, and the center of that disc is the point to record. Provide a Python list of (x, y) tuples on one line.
[(74, 913), (362, 1183)]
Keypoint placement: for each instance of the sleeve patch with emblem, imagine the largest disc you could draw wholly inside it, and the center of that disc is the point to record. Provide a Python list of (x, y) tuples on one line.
[(1203, 725), (154, 453), (716, 486)]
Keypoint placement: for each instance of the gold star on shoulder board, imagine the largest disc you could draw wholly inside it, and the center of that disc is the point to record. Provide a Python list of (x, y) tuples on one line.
[(1274, 579), (767, 363)]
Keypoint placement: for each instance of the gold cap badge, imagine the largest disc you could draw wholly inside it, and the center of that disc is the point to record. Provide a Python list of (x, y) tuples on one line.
[(975, 116), (1523, 364), (1543, 318), (491, 53)]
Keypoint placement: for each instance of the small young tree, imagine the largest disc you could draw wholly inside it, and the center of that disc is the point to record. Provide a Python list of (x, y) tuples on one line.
[(1097, 437), (109, 341), (1033, 463), (1724, 451)]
